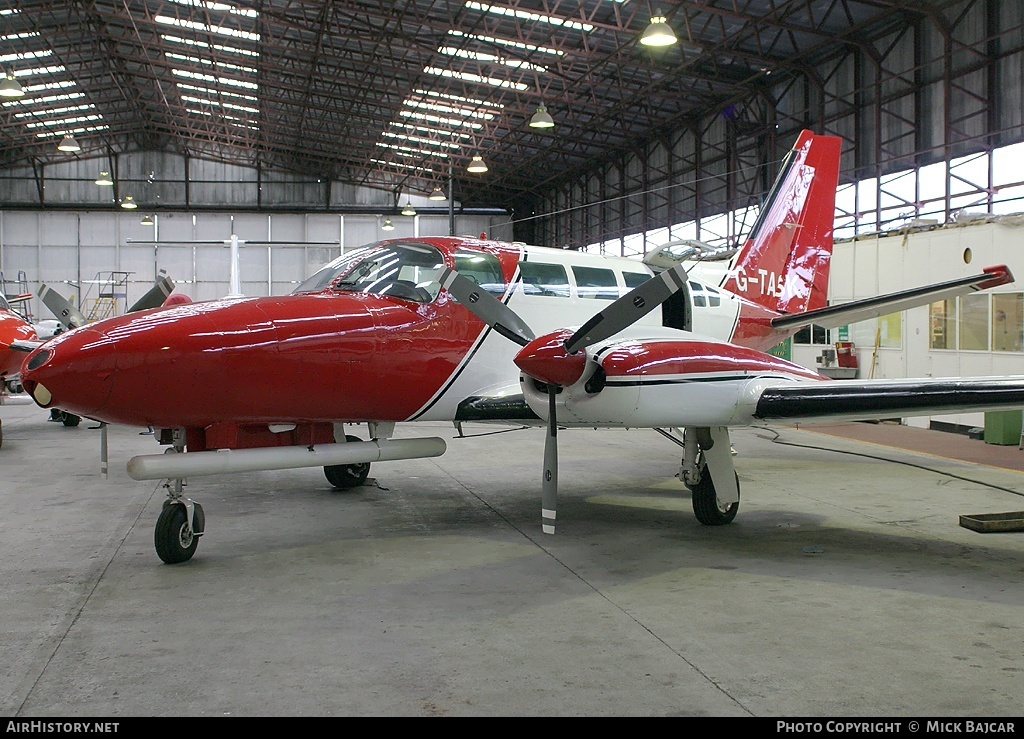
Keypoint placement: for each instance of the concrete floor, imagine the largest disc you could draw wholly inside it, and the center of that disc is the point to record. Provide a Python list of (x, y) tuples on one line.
[(845, 587)]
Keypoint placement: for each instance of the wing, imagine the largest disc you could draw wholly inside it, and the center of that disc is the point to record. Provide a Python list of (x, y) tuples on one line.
[(860, 310), (702, 382), (845, 400)]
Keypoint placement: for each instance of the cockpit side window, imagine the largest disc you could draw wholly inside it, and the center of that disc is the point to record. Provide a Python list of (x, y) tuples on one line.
[(481, 268)]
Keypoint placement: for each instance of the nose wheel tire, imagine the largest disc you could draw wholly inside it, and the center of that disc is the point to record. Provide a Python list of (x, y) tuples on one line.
[(174, 540), (706, 506), (347, 476)]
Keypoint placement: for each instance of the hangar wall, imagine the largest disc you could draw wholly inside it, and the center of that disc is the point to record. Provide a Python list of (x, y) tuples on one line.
[(69, 249), (908, 344)]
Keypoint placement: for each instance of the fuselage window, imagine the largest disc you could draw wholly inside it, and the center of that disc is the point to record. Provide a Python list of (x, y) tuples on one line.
[(544, 279), (635, 279), (705, 296), (481, 268), (595, 282)]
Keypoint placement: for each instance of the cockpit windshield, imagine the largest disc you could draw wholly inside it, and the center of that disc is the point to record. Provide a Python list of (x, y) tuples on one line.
[(404, 270), (4, 305)]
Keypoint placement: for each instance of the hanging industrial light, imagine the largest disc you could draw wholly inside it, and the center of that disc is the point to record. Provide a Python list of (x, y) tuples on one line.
[(388, 225), (477, 164), (68, 143), (408, 210), (542, 119), (147, 220), (104, 179), (659, 33), (10, 87), (129, 203), (437, 194)]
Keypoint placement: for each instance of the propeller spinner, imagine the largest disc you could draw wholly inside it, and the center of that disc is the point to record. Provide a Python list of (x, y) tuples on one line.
[(555, 359)]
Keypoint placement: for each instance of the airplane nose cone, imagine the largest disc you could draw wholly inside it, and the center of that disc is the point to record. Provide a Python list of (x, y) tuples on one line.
[(73, 372)]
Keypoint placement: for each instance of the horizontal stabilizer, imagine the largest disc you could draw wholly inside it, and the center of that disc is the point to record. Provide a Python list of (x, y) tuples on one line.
[(861, 310), (852, 401)]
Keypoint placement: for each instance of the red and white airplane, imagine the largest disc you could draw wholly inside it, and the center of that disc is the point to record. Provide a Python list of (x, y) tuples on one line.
[(461, 329)]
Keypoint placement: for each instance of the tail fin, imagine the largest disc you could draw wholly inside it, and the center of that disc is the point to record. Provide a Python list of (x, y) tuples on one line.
[(783, 265)]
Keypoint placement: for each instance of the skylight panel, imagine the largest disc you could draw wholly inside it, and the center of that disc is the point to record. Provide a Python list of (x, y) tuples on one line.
[(458, 98), (428, 130), (25, 55), (64, 121), (475, 78), (219, 104), (438, 108), (412, 167), (529, 16), (220, 7), (216, 92), (66, 131), (36, 100), (56, 85), (479, 56), (210, 78), (210, 63), (410, 151), (439, 119), (56, 111), (506, 42), (16, 36), (420, 140), (204, 45), (192, 25)]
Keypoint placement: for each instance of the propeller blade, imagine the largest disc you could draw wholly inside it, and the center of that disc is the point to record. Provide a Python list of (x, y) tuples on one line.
[(62, 309), (485, 306), (628, 309), (156, 295), (549, 483)]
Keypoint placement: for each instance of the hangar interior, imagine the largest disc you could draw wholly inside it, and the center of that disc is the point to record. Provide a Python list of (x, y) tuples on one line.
[(146, 138)]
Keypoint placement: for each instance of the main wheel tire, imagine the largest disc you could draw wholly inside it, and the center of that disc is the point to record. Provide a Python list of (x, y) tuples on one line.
[(70, 419), (173, 537), (347, 476), (706, 506)]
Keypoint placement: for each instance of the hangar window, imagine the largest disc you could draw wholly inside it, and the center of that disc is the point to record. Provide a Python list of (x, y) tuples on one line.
[(942, 324), (1008, 322), (974, 322), (595, 282), (812, 335), (544, 279)]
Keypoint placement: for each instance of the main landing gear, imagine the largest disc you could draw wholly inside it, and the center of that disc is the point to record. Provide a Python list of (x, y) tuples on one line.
[(347, 476), (707, 458)]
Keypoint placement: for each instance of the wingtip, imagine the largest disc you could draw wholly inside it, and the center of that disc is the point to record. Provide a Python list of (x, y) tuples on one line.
[(1001, 275)]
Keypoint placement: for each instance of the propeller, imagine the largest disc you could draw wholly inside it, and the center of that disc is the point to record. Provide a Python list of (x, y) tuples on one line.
[(156, 295), (556, 359), (68, 315)]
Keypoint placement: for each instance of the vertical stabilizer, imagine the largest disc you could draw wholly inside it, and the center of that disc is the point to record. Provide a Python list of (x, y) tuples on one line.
[(783, 265)]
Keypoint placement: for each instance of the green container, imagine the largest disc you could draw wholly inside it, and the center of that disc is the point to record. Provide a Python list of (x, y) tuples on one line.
[(1003, 427)]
